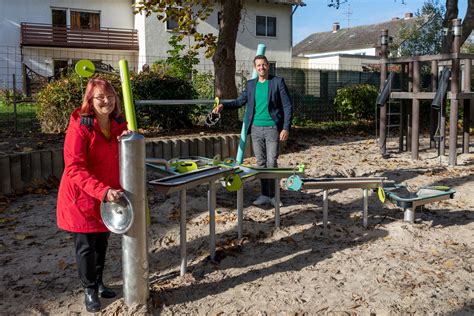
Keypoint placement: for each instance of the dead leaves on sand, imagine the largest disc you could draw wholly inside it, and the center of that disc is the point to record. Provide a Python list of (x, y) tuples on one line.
[(23, 236)]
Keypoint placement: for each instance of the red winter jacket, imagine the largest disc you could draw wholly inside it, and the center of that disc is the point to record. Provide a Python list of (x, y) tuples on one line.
[(91, 167)]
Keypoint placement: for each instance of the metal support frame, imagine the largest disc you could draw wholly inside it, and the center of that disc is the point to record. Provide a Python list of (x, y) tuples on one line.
[(276, 176), (211, 205), (182, 231), (240, 211), (277, 203), (364, 183), (366, 208), (409, 215), (325, 208)]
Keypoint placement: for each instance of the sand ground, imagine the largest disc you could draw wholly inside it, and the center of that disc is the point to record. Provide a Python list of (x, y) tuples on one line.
[(392, 267)]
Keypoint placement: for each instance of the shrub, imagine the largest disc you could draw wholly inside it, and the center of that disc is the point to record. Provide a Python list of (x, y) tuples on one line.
[(56, 101), (357, 101), (154, 86), (6, 96), (203, 83), (60, 97)]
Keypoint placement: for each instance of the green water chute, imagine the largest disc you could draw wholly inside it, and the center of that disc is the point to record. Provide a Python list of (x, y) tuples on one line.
[(381, 194), (293, 183), (186, 166), (233, 182), (216, 160)]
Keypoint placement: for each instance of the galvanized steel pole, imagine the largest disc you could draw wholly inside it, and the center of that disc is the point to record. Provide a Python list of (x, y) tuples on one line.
[(433, 112), (134, 242), (453, 115), (415, 112), (467, 106)]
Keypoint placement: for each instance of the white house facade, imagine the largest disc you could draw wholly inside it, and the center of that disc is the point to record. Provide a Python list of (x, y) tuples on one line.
[(347, 48), (43, 37), (264, 22)]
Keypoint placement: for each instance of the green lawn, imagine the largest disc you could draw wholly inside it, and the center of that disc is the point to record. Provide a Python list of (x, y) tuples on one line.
[(25, 117)]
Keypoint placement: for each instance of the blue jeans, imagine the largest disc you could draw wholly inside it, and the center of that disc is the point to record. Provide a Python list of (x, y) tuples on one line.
[(265, 143)]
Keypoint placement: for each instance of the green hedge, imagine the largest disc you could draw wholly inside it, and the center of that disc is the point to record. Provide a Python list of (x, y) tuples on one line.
[(152, 86), (60, 97), (357, 101)]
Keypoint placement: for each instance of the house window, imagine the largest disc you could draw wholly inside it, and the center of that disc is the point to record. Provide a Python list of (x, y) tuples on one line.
[(172, 24), (85, 20), (266, 26), (59, 21), (59, 17)]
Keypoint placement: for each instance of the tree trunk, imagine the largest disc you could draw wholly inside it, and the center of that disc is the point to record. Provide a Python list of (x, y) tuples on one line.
[(451, 13), (224, 57), (467, 23)]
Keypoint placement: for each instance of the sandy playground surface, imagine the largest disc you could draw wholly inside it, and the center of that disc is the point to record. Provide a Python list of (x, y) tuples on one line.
[(391, 267)]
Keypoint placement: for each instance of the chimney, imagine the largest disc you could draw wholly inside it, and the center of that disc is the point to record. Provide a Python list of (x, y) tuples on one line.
[(335, 27), (408, 15)]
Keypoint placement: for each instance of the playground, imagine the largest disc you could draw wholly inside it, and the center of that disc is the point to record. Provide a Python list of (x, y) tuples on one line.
[(391, 266), (190, 247)]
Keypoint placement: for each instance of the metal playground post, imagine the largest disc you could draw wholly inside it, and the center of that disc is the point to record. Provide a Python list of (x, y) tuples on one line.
[(134, 242)]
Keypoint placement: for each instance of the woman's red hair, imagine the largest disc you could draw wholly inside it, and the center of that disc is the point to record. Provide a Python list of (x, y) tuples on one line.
[(104, 85)]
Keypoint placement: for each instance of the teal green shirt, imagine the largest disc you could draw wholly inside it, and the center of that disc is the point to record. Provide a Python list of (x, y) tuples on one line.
[(262, 117)]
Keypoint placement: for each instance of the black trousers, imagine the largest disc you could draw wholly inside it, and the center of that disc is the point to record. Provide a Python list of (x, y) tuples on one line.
[(90, 257)]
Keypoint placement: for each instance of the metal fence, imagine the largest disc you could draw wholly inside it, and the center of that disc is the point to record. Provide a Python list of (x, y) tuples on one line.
[(312, 90)]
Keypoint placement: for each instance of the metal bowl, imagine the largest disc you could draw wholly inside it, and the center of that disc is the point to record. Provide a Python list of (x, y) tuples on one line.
[(117, 216)]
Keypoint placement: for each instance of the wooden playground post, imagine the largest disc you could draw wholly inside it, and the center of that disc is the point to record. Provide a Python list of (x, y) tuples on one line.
[(415, 114), (467, 106), (383, 77), (453, 115)]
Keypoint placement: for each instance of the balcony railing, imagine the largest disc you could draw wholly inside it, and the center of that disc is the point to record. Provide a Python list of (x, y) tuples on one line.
[(47, 35)]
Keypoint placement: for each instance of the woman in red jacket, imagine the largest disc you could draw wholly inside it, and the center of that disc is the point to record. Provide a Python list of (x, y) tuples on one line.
[(91, 175)]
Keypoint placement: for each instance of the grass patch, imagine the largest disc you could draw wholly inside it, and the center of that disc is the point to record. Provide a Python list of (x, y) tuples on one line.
[(25, 116)]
